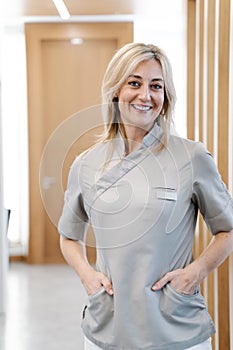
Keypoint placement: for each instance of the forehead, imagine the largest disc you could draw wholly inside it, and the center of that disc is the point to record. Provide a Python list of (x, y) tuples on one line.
[(149, 68)]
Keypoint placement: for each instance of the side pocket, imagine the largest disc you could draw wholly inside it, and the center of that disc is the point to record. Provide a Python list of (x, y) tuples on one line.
[(98, 313), (90, 298), (186, 316), (180, 306), (93, 296)]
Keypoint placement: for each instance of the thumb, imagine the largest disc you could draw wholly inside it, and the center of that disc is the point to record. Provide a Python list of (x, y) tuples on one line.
[(160, 283), (107, 285)]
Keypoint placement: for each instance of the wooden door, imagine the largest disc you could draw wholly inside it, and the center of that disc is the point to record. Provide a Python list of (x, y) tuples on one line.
[(64, 93)]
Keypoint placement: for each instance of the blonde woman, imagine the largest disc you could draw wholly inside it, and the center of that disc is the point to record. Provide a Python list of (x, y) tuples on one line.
[(141, 188)]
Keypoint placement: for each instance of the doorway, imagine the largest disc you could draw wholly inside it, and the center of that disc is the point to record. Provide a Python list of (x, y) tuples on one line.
[(64, 79)]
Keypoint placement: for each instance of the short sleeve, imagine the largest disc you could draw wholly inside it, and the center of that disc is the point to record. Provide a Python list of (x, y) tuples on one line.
[(73, 222), (210, 193)]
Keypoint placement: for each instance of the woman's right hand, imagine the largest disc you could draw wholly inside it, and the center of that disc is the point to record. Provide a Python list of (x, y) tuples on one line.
[(93, 281)]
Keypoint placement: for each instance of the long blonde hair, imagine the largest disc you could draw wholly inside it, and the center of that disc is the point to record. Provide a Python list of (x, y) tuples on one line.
[(119, 68)]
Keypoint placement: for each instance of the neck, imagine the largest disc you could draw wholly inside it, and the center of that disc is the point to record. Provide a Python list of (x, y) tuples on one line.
[(134, 137)]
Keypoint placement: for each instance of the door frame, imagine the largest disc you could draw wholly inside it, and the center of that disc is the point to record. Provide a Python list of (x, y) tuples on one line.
[(35, 33)]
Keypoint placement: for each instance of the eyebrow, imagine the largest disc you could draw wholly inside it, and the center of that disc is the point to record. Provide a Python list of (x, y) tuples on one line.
[(139, 77)]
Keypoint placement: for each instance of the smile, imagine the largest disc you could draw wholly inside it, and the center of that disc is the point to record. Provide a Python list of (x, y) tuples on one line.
[(141, 108)]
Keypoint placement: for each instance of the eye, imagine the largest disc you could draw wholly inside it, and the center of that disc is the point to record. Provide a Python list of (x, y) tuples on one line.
[(157, 86), (134, 83)]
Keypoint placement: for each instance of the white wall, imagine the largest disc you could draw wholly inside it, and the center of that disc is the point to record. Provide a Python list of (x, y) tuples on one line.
[(163, 23), (15, 136), (3, 238)]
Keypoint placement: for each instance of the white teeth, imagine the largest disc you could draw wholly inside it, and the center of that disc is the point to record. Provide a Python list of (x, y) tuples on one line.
[(142, 108)]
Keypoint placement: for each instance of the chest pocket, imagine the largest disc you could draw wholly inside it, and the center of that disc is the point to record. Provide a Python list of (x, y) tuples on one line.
[(166, 200)]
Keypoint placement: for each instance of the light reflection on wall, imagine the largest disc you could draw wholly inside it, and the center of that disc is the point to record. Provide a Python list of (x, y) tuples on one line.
[(15, 137), (163, 23)]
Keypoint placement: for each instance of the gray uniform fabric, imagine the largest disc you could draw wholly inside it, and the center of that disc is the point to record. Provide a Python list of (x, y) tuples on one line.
[(143, 210)]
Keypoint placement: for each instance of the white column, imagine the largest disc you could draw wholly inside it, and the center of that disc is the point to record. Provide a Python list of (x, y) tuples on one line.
[(3, 237)]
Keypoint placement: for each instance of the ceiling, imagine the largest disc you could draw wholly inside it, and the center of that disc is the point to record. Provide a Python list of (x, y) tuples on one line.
[(18, 8)]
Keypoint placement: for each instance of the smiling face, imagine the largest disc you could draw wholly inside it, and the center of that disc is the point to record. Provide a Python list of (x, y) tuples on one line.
[(141, 96)]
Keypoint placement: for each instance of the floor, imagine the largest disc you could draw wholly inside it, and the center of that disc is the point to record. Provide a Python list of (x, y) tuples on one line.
[(44, 309)]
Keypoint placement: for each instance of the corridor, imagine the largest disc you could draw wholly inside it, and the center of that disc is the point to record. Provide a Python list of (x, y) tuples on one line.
[(44, 309)]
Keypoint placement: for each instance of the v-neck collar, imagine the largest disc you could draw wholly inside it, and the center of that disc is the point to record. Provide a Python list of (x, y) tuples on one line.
[(127, 163)]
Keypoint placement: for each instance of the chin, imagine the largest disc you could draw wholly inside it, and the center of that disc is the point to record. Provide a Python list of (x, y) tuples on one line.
[(145, 126)]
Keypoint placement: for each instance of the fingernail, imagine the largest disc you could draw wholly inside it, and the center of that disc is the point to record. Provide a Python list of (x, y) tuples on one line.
[(154, 288)]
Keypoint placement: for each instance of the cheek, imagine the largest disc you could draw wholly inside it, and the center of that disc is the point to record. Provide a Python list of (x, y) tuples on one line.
[(159, 99), (124, 96)]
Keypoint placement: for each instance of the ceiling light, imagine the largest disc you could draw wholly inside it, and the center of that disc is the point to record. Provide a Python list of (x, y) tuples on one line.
[(62, 9), (76, 41)]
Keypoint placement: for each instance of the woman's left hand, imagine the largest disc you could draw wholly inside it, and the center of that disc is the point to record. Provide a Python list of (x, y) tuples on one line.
[(184, 281)]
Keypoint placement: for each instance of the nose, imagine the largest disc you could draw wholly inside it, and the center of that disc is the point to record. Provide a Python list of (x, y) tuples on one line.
[(144, 93)]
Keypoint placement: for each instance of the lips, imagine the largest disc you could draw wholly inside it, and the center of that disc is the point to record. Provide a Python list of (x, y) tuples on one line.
[(141, 107)]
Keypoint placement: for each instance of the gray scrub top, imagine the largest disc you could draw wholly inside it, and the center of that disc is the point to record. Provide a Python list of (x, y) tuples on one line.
[(143, 210)]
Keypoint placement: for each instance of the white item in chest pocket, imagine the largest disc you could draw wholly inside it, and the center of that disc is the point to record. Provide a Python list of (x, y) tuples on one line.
[(166, 194)]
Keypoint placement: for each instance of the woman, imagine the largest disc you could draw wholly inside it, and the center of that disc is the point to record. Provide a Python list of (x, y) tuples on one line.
[(141, 189)]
